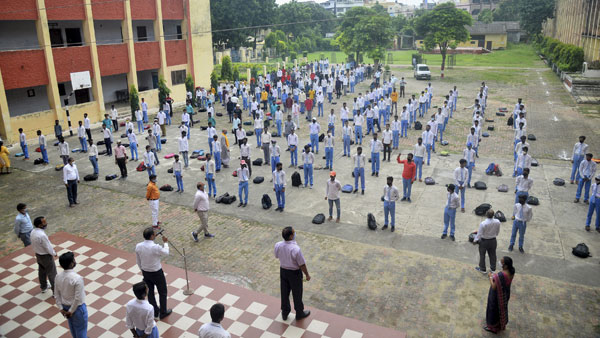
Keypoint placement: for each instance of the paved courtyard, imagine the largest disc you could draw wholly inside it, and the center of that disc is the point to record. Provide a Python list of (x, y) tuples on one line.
[(409, 280)]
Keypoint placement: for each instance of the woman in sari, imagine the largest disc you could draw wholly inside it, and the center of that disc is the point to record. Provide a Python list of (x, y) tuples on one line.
[(4, 159), (496, 315)]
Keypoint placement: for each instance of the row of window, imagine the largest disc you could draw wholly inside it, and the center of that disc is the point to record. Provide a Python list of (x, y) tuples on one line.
[(73, 36)]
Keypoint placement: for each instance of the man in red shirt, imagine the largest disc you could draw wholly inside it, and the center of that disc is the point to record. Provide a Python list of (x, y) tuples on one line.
[(408, 175), (309, 107)]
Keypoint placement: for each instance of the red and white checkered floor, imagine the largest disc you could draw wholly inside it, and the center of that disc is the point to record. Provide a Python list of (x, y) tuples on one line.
[(109, 273)]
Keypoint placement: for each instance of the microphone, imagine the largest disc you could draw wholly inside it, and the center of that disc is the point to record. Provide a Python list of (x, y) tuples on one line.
[(160, 232)]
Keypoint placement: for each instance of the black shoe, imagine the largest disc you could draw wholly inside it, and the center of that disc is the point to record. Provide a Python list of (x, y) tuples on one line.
[(384, 227), (377, 174), (444, 236), (510, 247), (284, 316), (521, 250), (245, 204), (166, 314), (392, 229), (209, 235), (362, 192), (304, 314), (452, 238), (355, 191), (372, 174), (403, 199), (241, 204), (278, 208)]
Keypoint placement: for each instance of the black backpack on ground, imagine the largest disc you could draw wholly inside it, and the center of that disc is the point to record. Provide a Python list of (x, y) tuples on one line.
[(499, 215), (170, 170), (257, 162), (318, 219), (418, 125), (110, 177), (559, 182), (90, 177), (266, 202), (166, 187), (429, 181), (38, 161), (163, 140), (531, 200), (249, 133), (486, 134), (472, 236), (226, 198), (100, 143), (531, 137), (500, 114), (503, 188), (490, 128), (534, 162), (480, 185), (510, 122), (482, 209), (258, 180), (581, 250), (296, 180), (321, 137), (371, 223), (220, 198), (444, 143)]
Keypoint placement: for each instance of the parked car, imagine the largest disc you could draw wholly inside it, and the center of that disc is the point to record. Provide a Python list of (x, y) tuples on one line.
[(422, 72)]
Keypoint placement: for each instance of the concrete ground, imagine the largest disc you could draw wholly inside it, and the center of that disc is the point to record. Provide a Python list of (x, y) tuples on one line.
[(410, 280)]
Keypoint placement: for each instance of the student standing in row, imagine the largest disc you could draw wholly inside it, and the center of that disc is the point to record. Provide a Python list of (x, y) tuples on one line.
[(177, 173), (139, 315), (243, 174), (390, 196), (522, 214), (332, 195), (308, 160), (587, 170), (460, 175), (452, 204), (43, 150), (70, 296), (579, 151), (279, 186), (44, 254), (409, 175), (376, 147), (71, 179)]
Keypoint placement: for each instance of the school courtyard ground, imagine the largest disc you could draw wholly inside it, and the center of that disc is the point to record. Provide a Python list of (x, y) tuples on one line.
[(409, 280)]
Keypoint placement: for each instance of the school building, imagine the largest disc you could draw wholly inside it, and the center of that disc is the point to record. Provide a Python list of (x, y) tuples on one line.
[(121, 43), (489, 36)]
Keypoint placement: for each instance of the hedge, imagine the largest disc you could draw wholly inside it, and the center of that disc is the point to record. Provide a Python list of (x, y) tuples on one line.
[(567, 57)]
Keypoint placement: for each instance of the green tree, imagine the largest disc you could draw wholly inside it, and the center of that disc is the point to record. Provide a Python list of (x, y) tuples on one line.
[(189, 83), (163, 91), (486, 16), (226, 69), (379, 9), (236, 73), (533, 13), (442, 26), (362, 30), (134, 101), (228, 14), (214, 79), (319, 21), (507, 11)]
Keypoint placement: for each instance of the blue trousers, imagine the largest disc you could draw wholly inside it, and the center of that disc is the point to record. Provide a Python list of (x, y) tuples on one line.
[(406, 187), (308, 174), (243, 188), (44, 154), (419, 164), (428, 147), (153, 334), (329, 158), (441, 131), (274, 161), (515, 152), (320, 109), (422, 109), (594, 206), (519, 226), (82, 142), (145, 116), (168, 119), (186, 161), (332, 128), (314, 142), (369, 125), (330, 97), (583, 184), (151, 170), (258, 133), (519, 194), (376, 123), (359, 172), (179, 180), (158, 143), (470, 167), (189, 131), (140, 125), (94, 161), (278, 123), (217, 160), (346, 141), (403, 129), (389, 209), (518, 172), (26, 152), (358, 135), (374, 162), (294, 155), (449, 219), (133, 148), (212, 187), (351, 87), (462, 193), (280, 194), (78, 321), (575, 170), (412, 115), (395, 139)]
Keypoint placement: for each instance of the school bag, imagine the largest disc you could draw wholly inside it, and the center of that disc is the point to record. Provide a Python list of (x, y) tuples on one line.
[(220, 198), (531, 137), (347, 188), (38, 161), (141, 167), (321, 137), (371, 223), (486, 134), (257, 162), (418, 125), (444, 143), (229, 199), (163, 140), (234, 174), (318, 219), (201, 158), (500, 114), (503, 188), (490, 128), (194, 155), (499, 215), (510, 122), (266, 202), (166, 187), (296, 180), (123, 135), (103, 152), (19, 155), (258, 179), (533, 200), (169, 155), (38, 150), (247, 123), (472, 237), (90, 177), (482, 209), (490, 169), (100, 143), (170, 170), (534, 162), (559, 182), (59, 167), (110, 177), (219, 114), (203, 127), (444, 153), (581, 250), (489, 120), (429, 181), (480, 185), (249, 133)]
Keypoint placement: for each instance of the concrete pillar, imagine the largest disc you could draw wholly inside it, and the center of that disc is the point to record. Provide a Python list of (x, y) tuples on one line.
[(127, 29), (5, 127), (295, 62), (278, 65), (199, 40), (264, 70), (90, 39), (286, 60), (159, 31), (219, 57), (248, 75), (266, 59)]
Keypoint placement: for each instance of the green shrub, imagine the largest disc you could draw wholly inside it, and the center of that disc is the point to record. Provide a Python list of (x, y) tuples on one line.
[(163, 91), (236, 73), (134, 101), (226, 69), (214, 80), (293, 55), (189, 83)]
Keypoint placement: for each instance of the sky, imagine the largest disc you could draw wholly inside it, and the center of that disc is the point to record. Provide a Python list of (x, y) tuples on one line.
[(408, 2)]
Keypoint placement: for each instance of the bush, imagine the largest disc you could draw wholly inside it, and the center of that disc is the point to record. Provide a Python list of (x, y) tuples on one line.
[(304, 53), (134, 101), (189, 83), (163, 91), (293, 55), (214, 79), (236, 73), (226, 71), (594, 64), (567, 57)]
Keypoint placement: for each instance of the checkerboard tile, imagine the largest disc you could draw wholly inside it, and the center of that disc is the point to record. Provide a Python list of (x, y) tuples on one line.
[(108, 275)]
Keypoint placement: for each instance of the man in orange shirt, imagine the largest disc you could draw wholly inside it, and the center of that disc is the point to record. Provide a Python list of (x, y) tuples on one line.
[(394, 97), (152, 195), (408, 175)]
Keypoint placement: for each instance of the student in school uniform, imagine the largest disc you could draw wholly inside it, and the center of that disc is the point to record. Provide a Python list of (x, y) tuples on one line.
[(331, 123), (279, 186), (523, 161), (315, 129), (292, 140), (419, 155), (587, 170), (216, 147), (579, 151), (359, 120), (519, 134), (390, 196), (460, 175), (243, 175), (473, 138), (359, 161), (594, 206), (275, 153), (522, 214), (376, 147), (427, 137), (452, 203), (433, 127), (469, 155), (346, 138), (386, 139), (523, 185), (328, 142), (404, 117), (308, 159)]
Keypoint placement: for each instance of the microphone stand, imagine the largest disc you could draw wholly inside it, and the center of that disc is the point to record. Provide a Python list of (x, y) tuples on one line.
[(187, 291)]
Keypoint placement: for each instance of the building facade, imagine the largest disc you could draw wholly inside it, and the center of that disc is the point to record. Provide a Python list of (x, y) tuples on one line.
[(577, 22), (339, 7), (474, 7), (121, 43)]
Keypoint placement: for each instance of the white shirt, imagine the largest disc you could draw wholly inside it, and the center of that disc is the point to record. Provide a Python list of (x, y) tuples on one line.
[(453, 201), (183, 144), (474, 139), (201, 200), (344, 113), (332, 190), (114, 114), (243, 174), (216, 146), (93, 150), (580, 149), (213, 330), (107, 133), (460, 175), (86, 123), (129, 125), (315, 128), (69, 290), (42, 140), (419, 150), (488, 229), (148, 255), (522, 212), (308, 158), (149, 159), (519, 147), (433, 127), (140, 315), (359, 120), (161, 117), (40, 242), (211, 131), (387, 136), (265, 138), (185, 117), (523, 132), (524, 184), (587, 169), (390, 194), (240, 133), (139, 116), (275, 150), (258, 124), (245, 150), (177, 166), (439, 118), (523, 161), (427, 137), (63, 148), (359, 160), (279, 178), (331, 119), (292, 139), (70, 173), (210, 167), (469, 155), (376, 146), (80, 133), (404, 115), (328, 141)]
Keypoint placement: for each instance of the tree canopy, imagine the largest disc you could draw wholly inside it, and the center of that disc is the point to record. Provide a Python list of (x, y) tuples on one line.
[(228, 14), (486, 16), (300, 12), (529, 13), (443, 26)]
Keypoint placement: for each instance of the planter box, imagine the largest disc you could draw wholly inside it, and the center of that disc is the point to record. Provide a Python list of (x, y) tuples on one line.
[(592, 73)]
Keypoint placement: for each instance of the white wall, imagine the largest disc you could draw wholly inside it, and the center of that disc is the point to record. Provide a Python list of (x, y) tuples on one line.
[(20, 104), (145, 79), (149, 29), (112, 83), (170, 29), (72, 101), (15, 35), (108, 32)]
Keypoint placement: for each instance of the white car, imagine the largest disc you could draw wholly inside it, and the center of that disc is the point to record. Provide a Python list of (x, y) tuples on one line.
[(422, 72)]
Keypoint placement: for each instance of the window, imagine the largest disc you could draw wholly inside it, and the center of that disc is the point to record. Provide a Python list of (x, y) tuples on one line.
[(61, 89), (179, 35), (73, 37), (141, 33), (178, 77), (56, 39)]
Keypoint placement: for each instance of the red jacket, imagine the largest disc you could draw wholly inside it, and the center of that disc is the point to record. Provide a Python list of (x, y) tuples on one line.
[(308, 104), (410, 169)]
